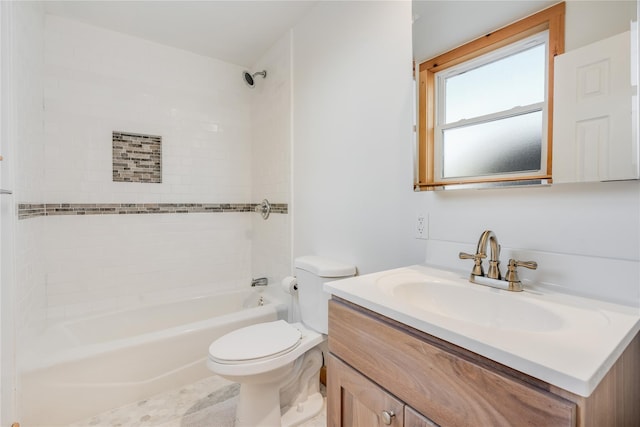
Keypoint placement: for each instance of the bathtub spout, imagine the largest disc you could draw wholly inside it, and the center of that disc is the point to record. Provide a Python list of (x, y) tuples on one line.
[(260, 281)]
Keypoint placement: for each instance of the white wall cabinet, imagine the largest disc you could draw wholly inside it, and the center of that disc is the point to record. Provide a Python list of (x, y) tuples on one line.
[(593, 123)]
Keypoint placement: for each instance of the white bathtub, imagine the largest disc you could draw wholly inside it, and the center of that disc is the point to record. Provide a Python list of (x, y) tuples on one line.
[(83, 367)]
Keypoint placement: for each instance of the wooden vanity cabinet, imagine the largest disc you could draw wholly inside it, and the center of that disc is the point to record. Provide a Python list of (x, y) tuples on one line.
[(359, 402), (377, 366), (413, 419)]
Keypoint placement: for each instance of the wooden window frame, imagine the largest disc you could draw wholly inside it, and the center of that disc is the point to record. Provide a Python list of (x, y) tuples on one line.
[(551, 19)]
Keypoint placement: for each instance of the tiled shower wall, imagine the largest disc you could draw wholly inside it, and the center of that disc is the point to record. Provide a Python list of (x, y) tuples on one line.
[(26, 157), (97, 82), (271, 160)]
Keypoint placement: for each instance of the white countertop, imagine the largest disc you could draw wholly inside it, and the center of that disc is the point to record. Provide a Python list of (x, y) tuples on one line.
[(565, 340)]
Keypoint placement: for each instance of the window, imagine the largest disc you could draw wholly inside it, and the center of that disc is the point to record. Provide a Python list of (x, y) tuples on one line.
[(485, 108)]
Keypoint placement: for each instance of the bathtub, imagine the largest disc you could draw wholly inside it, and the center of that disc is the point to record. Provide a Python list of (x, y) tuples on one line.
[(80, 368)]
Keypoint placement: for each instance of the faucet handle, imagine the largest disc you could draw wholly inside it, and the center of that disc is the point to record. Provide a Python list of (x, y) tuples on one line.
[(477, 259), (464, 255), (528, 264), (512, 274)]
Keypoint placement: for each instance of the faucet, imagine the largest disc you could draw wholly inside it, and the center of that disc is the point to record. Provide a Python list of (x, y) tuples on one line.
[(494, 261), (489, 237), (493, 277), (260, 281)]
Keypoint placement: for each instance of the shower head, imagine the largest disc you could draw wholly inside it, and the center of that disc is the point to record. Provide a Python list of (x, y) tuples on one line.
[(248, 77)]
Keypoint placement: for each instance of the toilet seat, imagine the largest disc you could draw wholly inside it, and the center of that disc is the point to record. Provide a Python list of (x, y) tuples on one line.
[(227, 366), (255, 343)]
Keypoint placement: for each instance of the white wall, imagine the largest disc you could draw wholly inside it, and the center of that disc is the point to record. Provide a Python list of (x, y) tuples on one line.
[(352, 170), (99, 81), (27, 77), (585, 237), (588, 21), (22, 171), (352, 140)]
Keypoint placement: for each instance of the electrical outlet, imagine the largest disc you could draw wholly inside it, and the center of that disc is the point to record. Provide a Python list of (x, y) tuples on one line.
[(422, 227)]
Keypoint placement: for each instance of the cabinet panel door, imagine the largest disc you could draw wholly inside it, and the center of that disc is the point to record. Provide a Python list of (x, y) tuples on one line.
[(355, 401), (593, 136), (414, 419)]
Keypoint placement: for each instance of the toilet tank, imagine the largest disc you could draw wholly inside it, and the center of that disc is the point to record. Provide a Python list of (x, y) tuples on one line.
[(311, 273)]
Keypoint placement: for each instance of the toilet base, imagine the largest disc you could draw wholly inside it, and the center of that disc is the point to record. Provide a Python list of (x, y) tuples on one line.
[(266, 413), (303, 411), (260, 405)]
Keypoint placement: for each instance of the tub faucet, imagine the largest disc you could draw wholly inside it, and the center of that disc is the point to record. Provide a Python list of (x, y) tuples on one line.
[(260, 281)]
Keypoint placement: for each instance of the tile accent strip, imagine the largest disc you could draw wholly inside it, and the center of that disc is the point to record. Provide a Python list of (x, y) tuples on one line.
[(29, 210), (136, 157)]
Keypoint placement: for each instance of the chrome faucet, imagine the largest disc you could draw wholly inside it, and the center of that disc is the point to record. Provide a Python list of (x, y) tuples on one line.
[(260, 281), (493, 277)]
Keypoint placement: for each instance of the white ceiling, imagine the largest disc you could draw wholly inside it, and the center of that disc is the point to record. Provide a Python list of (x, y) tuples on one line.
[(241, 31), (441, 25), (235, 31)]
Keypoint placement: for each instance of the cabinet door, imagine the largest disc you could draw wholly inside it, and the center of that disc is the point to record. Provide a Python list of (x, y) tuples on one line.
[(355, 401), (414, 419), (593, 131)]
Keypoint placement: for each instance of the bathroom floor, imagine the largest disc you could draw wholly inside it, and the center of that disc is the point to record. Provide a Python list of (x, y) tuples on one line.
[(210, 402)]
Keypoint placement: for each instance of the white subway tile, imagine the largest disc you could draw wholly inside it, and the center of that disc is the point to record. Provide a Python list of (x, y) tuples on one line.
[(210, 130)]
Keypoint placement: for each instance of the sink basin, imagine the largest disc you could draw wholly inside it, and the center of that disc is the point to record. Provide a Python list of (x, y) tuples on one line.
[(482, 307), (566, 340)]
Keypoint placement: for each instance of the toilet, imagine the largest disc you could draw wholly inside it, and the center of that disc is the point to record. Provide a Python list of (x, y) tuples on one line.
[(277, 363)]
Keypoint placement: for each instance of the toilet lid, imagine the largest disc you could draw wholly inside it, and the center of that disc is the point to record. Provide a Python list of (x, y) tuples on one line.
[(259, 341)]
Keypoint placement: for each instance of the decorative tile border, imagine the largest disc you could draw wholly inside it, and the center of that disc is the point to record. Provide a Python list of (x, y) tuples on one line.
[(136, 157), (30, 210)]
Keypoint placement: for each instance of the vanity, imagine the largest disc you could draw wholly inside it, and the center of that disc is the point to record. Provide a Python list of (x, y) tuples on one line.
[(419, 346)]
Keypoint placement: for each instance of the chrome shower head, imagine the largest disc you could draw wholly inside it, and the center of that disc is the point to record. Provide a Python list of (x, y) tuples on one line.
[(249, 78)]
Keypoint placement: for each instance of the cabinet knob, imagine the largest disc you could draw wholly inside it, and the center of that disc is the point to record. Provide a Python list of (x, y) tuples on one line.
[(387, 417)]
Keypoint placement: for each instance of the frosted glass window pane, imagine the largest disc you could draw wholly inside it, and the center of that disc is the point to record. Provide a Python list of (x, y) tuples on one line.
[(516, 80), (502, 146)]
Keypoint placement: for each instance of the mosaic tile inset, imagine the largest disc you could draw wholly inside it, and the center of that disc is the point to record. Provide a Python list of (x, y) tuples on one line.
[(137, 158)]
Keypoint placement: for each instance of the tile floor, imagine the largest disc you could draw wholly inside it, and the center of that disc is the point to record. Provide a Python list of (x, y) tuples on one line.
[(209, 402)]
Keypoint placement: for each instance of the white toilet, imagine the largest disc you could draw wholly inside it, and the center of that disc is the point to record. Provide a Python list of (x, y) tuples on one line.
[(277, 363)]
